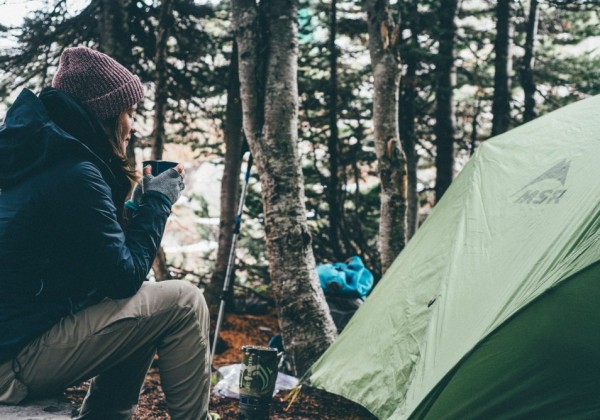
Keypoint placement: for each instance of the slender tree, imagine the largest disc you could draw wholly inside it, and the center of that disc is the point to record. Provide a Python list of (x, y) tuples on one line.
[(116, 42), (160, 267), (502, 65), (333, 187), (527, 79), (383, 38), (161, 77), (230, 191), (444, 103), (267, 40), (325, 67), (114, 36), (407, 115)]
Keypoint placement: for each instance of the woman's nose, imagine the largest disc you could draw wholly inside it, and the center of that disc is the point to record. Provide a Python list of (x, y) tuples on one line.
[(133, 130)]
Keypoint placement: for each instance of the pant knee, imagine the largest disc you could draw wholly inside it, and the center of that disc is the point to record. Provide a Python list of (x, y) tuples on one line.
[(177, 297), (191, 297)]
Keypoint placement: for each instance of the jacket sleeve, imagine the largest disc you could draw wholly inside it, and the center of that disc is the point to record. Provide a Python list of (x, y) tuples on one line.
[(114, 261)]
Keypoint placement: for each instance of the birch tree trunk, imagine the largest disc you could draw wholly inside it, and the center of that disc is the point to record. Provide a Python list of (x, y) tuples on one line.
[(383, 36), (444, 106), (267, 40), (230, 184), (502, 65), (527, 80)]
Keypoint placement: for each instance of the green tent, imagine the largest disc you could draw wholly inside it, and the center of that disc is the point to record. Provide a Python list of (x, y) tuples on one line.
[(493, 308)]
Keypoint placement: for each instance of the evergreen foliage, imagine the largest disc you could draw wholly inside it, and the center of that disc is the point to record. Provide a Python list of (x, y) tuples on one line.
[(197, 60), (199, 49)]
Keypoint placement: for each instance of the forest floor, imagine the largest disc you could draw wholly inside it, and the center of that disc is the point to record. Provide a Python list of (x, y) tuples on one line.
[(237, 331)]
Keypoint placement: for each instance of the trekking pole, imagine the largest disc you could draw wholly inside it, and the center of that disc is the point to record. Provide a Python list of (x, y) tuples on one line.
[(231, 261)]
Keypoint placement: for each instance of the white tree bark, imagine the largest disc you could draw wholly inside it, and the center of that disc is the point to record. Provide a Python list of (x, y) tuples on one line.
[(267, 40)]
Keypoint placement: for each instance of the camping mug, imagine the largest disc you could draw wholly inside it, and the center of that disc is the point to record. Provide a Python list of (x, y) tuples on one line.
[(158, 166), (258, 374)]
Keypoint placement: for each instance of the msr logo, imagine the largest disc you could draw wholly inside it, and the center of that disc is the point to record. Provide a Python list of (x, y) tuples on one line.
[(545, 188)]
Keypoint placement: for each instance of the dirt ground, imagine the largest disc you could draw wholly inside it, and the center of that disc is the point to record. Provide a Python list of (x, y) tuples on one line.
[(237, 331)]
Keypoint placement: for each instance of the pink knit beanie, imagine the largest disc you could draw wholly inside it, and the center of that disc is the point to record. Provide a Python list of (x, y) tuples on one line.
[(105, 86)]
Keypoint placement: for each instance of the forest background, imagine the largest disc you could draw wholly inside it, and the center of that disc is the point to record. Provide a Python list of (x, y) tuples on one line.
[(454, 73)]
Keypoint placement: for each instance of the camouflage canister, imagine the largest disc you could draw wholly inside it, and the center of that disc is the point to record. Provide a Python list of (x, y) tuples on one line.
[(258, 374)]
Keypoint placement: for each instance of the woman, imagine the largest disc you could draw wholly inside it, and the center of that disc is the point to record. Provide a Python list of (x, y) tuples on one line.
[(73, 301)]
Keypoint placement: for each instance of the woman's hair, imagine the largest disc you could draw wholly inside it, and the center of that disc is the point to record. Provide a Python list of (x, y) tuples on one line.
[(125, 174), (114, 131)]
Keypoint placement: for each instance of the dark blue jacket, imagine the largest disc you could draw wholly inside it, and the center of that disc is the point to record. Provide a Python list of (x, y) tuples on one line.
[(62, 246)]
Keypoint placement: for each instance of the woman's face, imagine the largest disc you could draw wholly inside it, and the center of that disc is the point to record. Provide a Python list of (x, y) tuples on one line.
[(126, 128)]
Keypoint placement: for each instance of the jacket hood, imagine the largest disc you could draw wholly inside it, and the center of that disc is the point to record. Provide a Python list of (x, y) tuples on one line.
[(40, 131)]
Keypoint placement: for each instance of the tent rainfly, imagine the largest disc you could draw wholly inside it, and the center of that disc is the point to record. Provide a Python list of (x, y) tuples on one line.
[(493, 308)]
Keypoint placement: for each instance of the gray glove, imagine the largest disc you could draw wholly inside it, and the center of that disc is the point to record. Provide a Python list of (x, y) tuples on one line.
[(169, 183)]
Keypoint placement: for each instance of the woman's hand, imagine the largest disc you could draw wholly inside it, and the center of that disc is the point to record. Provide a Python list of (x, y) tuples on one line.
[(170, 182)]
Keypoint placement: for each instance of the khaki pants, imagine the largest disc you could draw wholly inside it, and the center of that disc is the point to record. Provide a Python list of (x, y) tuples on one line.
[(114, 343)]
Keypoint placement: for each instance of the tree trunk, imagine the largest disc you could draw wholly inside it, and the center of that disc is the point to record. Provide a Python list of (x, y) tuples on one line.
[(527, 80), (116, 41), (502, 64), (161, 78), (268, 48), (408, 95), (114, 34), (230, 185), (160, 108), (444, 106), (333, 189), (383, 36)]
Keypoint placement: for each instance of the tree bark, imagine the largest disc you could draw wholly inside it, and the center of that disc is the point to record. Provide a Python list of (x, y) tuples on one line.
[(502, 64), (267, 40), (160, 108), (230, 185), (408, 95), (527, 79), (114, 35), (444, 106), (333, 189), (161, 78), (115, 41), (383, 37)]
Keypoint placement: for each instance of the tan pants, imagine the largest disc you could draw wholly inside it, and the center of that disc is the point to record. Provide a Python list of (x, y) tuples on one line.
[(114, 342)]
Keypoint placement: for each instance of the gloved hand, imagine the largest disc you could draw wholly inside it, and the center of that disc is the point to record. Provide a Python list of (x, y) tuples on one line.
[(169, 183)]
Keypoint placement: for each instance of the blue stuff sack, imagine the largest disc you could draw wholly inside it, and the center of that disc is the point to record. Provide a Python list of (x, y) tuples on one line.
[(349, 279)]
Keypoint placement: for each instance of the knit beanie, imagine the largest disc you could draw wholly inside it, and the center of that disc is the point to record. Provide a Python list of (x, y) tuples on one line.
[(103, 85)]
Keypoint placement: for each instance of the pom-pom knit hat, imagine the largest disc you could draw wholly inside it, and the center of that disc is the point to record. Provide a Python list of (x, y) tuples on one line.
[(103, 85)]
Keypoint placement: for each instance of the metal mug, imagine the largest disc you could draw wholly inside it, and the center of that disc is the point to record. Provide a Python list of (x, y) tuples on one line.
[(258, 374), (159, 166)]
